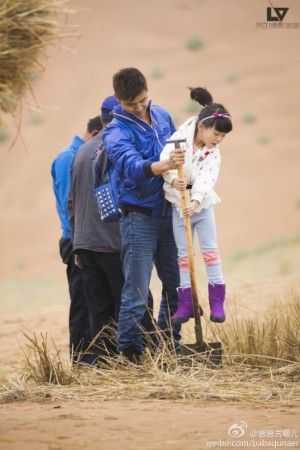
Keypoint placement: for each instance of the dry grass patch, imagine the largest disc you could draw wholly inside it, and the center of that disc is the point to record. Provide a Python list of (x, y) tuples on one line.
[(260, 364), (271, 339), (119, 380)]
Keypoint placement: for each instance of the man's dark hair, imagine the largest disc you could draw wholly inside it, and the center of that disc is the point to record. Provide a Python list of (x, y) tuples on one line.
[(94, 124), (128, 83)]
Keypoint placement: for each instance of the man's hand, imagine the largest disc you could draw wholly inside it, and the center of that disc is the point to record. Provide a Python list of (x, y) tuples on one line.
[(179, 184), (189, 210), (176, 158)]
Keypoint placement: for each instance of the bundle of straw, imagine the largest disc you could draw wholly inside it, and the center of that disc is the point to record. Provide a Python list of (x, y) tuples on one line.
[(26, 29)]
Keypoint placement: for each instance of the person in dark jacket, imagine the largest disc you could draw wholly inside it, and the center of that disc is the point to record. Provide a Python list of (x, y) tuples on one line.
[(79, 331), (97, 244), (134, 141)]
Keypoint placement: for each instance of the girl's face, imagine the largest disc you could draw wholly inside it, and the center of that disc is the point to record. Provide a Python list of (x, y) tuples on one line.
[(209, 136)]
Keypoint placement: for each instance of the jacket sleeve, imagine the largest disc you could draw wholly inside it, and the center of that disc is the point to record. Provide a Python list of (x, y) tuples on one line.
[(124, 155), (207, 176), (165, 154), (60, 176)]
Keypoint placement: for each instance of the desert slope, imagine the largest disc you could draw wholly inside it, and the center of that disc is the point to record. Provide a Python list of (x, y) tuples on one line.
[(259, 183)]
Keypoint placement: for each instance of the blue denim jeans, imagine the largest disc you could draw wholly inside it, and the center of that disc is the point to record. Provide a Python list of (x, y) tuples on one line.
[(146, 240)]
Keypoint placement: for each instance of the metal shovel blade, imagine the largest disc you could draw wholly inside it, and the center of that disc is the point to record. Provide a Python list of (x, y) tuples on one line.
[(212, 352)]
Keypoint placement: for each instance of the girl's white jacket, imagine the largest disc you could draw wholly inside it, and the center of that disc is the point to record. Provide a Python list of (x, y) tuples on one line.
[(201, 172)]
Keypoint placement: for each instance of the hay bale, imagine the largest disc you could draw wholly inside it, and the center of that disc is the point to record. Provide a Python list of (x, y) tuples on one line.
[(26, 30)]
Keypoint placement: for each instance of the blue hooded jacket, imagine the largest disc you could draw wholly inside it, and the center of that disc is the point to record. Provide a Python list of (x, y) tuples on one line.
[(132, 146), (60, 171)]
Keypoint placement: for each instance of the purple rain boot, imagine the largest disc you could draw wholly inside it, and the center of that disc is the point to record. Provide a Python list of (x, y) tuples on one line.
[(185, 308), (216, 295)]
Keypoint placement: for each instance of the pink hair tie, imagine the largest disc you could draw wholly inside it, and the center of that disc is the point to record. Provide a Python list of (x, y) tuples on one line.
[(216, 115)]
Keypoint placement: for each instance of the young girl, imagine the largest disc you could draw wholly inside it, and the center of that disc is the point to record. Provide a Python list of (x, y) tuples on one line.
[(203, 135)]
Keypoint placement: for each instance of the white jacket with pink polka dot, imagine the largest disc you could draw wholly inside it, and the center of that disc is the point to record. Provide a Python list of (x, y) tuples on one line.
[(201, 169)]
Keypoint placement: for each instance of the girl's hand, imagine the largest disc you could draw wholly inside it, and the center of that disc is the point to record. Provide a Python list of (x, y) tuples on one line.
[(178, 184), (189, 210)]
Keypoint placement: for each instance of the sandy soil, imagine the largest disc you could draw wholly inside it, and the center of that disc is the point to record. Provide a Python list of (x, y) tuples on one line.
[(128, 425), (259, 185)]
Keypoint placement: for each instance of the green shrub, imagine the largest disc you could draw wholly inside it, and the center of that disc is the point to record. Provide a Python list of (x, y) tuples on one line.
[(194, 43), (192, 107), (263, 139), (232, 78), (157, 72), (249, 117)]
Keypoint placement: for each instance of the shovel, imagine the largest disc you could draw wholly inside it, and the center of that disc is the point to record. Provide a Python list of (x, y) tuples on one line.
[(213, 350)]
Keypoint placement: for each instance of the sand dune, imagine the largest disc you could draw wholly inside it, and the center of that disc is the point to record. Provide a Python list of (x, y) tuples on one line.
[(259, 183)]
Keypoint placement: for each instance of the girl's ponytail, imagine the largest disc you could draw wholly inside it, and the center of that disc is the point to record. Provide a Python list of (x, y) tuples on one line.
[(201, 95), (212, 114)]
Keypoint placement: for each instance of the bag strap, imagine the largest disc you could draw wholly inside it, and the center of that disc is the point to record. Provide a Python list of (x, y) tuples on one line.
[(101, 166)]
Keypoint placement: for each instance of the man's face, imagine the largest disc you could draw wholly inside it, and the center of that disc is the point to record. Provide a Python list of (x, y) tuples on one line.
[(137, 106)]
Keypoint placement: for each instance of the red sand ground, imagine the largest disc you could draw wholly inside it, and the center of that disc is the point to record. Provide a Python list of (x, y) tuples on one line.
[(150, 425), (259, 185)]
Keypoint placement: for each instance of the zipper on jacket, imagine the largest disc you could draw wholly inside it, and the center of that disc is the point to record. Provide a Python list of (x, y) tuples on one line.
[(154, 129), (157, 138), (137, 123)]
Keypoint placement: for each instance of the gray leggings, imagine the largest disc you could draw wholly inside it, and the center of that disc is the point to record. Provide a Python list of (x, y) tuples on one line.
[(204, 224)]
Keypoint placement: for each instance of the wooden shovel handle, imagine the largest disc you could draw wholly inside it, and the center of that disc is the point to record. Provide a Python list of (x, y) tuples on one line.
[(191, 262)]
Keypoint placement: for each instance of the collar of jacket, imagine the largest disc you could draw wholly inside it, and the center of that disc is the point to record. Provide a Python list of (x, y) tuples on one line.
[(125, 116), (188, 130), (77, 142)]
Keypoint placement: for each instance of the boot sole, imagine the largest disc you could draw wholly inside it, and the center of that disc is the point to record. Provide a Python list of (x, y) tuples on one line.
[(180, 320), (217, 319)]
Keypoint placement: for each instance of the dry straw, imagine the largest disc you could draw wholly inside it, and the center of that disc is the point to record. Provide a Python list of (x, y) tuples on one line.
[(268, 374), (268, 339), (26, 30)]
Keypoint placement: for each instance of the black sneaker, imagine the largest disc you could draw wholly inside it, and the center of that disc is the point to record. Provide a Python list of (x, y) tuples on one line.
[(133, 355)]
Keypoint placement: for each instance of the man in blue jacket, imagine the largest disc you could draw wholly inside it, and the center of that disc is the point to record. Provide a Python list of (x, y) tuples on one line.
[(79, 328), (134, 141)]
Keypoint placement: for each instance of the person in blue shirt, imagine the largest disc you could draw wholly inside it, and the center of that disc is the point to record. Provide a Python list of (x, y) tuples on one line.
[(134, 140), (79, 330)]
